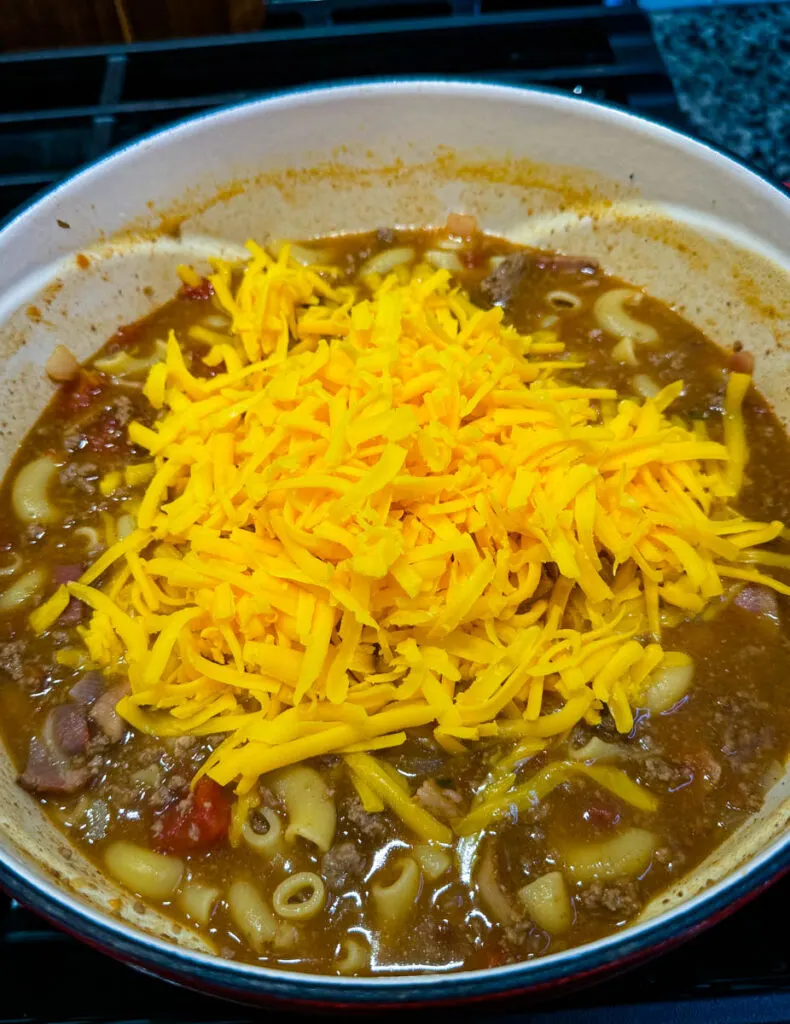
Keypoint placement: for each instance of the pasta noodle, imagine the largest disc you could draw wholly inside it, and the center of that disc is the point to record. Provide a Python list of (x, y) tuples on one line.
[(645, 386), (624, 352), (309, 804), (356, 957), (197, 901), (395, 902), (547, 902), (595, 749), (386, 261), (490, 892), (300, 253), (29, 492), (13, 568), (251, 915), (121, 364), (300, 897), (444, 260), (150, 874), (22, 590), (625, 855), (612, 316), (91, 535), (268, 843), (669, 682), (564, 300)]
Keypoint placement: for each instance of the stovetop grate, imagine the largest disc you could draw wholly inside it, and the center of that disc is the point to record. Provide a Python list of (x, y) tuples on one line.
[(62, 109), (65, 108)]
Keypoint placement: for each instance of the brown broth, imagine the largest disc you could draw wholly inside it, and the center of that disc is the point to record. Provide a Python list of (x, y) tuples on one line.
[(707, 760)]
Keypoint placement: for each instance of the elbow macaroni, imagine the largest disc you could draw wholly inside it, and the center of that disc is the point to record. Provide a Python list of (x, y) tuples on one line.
[(251, 915), (356, 956), (147, 873), (300, 897), (29, 492), (615, 319), (309, 803), (626, 855), (22, 590), (394, 902), (197, 901), (268, 843)]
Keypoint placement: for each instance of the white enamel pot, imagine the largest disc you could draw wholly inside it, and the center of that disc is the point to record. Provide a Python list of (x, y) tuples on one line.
[(661, 210)]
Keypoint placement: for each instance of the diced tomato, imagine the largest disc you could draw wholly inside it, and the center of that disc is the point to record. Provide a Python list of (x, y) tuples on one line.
[(104, 434), (204, 290), (741, 361), (471, 258), (462, 225), (82, 392), (494, 957), (199, 822), (127, 334), (601, 815), (703, 765)]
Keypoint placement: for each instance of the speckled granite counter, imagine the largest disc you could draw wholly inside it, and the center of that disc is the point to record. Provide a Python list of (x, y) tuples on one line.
[(731, 70)]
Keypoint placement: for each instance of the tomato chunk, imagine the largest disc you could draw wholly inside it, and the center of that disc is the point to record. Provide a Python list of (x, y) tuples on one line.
[(82, 392), (201, 291), (200, 821)]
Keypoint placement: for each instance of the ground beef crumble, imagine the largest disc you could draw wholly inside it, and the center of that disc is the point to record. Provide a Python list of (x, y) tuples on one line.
[(82, 476), (621, 898)]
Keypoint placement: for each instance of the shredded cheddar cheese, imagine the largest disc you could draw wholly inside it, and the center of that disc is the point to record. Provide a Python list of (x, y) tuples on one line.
[(388, 510)]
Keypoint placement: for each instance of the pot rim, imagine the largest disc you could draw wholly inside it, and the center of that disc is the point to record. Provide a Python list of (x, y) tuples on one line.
[(248, 981)]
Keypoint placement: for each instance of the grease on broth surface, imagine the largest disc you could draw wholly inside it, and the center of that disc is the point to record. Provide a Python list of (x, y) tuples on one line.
[(317, 882)]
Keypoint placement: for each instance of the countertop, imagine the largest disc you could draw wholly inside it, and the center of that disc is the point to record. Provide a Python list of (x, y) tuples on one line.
[(731, 71)]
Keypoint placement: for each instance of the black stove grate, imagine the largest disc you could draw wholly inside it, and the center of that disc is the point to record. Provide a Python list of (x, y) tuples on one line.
[(61, 109), (65, 108)]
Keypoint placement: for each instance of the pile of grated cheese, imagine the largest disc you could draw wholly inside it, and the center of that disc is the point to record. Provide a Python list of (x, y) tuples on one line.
[(387, 510)]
